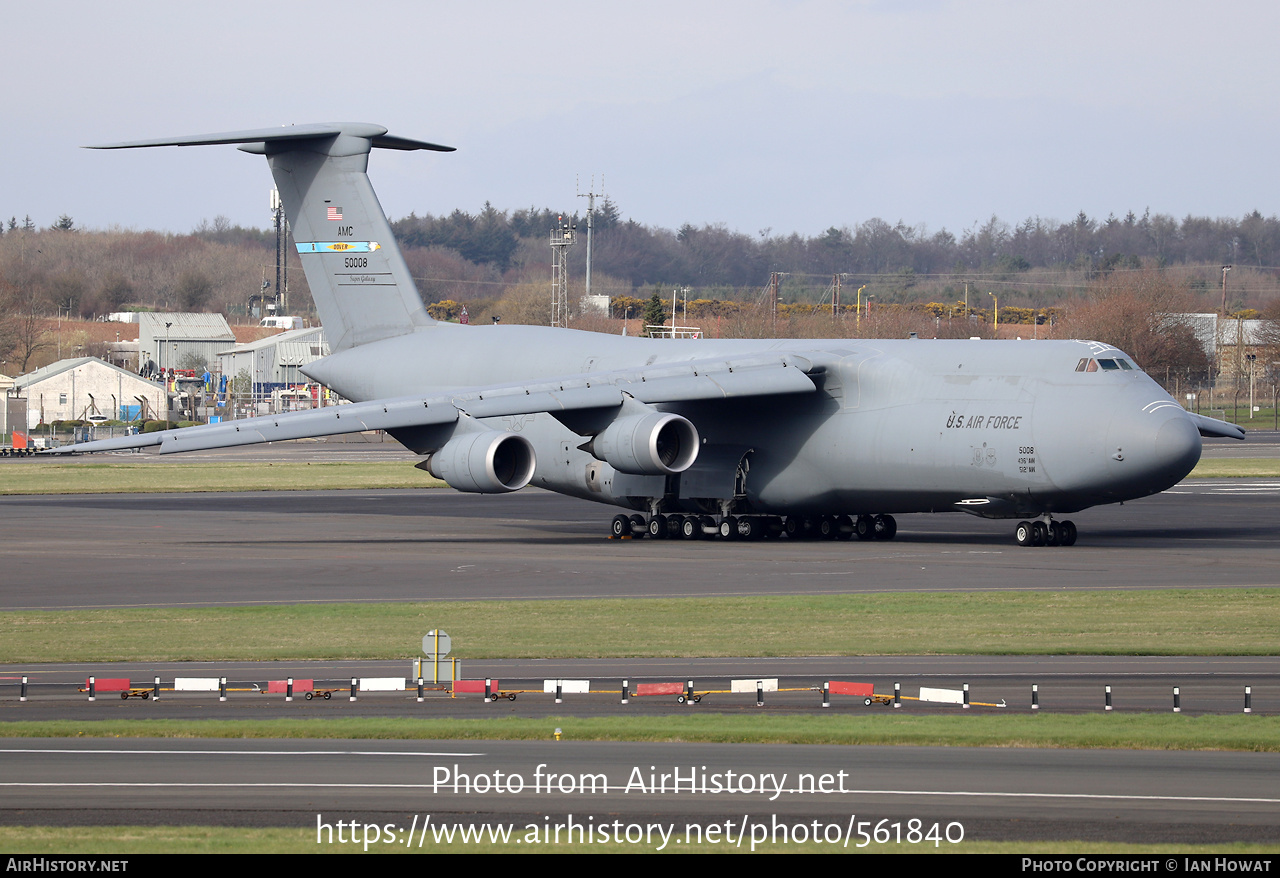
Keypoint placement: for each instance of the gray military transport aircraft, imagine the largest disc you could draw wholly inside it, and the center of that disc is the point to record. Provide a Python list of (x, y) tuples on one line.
[(738, 439)]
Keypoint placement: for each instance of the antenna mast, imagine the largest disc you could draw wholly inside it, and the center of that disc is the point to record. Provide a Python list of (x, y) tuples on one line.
[(562, 238)]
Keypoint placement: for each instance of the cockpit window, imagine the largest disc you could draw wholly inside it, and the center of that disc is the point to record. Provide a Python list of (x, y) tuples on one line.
[(1108, 365), (1124, 364), (1084, 361), (1092, 366)]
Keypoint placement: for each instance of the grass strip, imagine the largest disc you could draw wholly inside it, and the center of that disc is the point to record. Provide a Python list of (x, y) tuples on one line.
[(1137, 731), (155, 477), (113, 840), (1157, 622), (175, 476), (1237, 468)]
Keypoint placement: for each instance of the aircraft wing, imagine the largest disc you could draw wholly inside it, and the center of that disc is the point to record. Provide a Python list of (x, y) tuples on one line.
[(1213, 427), (719, 378)]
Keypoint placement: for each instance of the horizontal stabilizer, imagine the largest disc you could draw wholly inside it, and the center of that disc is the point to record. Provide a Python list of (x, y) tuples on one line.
[(376, 134)]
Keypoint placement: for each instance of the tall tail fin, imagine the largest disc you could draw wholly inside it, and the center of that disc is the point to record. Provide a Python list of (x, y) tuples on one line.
[(360, 283)]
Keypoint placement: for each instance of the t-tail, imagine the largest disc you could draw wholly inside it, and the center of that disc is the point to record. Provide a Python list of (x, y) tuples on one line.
[(360, 283)]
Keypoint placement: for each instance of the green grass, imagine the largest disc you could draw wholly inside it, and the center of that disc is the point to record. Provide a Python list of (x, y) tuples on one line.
[(1237, 468), (1157, 622), (43, 476), (875, 725), (39, 476)]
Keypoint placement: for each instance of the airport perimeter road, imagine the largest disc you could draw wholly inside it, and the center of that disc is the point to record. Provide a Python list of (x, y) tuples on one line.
[(157, 550), (1163, 797)]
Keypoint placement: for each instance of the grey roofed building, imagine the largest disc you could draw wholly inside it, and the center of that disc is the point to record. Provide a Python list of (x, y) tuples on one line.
[(275, 362), (78, 388), (171, 340)]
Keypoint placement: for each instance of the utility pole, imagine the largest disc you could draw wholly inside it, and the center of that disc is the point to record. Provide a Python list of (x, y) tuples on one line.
[(591, 223)]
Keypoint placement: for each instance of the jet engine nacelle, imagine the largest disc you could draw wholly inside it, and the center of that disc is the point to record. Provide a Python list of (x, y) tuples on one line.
[(653, 444), (484, 462)]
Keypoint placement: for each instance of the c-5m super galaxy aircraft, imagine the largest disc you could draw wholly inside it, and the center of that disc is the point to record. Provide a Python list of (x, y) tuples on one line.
[(697, 438)]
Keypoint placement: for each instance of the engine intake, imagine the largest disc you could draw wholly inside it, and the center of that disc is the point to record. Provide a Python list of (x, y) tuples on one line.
[(484, 462), (653, 444)]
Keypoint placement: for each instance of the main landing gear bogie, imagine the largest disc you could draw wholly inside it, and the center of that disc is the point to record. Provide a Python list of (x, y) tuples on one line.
[(1041, 533), (678, 526)]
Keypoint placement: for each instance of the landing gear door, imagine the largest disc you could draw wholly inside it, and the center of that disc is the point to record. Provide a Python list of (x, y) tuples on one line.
[(719, 473)]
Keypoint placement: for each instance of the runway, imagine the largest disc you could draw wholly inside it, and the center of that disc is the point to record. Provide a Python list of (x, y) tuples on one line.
[(745, 790), (184, 550)]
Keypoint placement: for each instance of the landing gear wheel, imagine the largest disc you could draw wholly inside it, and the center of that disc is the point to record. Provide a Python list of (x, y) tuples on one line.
[(1022, 533), (1068, 533), (690, 529), (658, 527), (1055, 534), (886, 527), (864, 528), (748, 529), (620, 526), (828, 528), (728, 528), (674, 525), (638, 526), (1039, 533), (844, 527), (793, 527)]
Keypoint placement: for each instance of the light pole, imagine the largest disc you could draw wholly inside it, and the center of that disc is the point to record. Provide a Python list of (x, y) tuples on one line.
[(996, 326), (1225, 269)]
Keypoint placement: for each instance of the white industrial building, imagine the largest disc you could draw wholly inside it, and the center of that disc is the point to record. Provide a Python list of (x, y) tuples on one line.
[(85, 388)]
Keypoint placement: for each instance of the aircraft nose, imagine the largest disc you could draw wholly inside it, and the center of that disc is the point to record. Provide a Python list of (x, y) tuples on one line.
[(1155, 448)]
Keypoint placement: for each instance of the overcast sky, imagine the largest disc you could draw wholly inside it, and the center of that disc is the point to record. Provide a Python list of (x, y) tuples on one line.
[(787, 115)]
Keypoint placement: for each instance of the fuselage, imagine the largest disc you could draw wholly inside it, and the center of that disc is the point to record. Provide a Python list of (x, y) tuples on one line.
[(1001, 429)]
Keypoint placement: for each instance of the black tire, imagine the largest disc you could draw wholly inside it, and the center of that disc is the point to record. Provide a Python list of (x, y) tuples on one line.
[(728, 528), (309, 696), (886, 528), (620, 526), (657, 527), (844, 527), (328, 695), (679, 699), (697, 699), (1054, 537), (690, 529), (867, 702), (124, 696), (1039, 533), (748, 529), (1022, 533), (146, 695), (864, 528), (511, 696), (1068, 533), (827, 527), (793, 527)]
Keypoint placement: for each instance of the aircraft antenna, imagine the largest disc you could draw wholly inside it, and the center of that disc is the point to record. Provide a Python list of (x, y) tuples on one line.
[(562, 238)]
